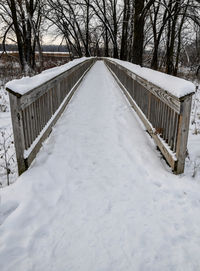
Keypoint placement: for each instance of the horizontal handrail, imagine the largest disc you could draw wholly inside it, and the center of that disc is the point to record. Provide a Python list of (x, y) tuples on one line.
[(165, 116), (35, 111)]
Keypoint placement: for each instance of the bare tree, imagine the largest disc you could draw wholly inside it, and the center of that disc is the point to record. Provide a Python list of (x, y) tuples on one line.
[(23, 18), (125, 26), (140, 13), (121, 29)]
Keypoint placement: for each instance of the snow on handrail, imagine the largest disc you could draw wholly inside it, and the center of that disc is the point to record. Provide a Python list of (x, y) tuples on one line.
[(175, 86), (26, 84)]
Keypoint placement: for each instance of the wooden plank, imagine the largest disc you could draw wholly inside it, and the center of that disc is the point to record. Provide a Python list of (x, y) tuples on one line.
[(31, 122), (172, 132), (164, 121), (28, 126), (159, 116), (182, 136), (175, 132), (17, 123), (35, 120), (51, 101), (130, 86), (31, 127), (170, 126), (40, 113), (167, 124), (45, 108), (25, 130), (149, 105), (37, 117)]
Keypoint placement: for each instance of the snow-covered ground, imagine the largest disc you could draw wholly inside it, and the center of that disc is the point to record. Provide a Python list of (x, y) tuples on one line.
[(8, 168), (99, 196), (193, 159)]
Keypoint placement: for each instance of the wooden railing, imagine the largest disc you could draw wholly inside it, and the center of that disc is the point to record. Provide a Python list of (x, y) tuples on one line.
[(34, 113), (165, 116)]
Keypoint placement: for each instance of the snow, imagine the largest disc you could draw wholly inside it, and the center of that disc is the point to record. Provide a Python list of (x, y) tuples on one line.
[(99, 196), (193, 160), (176, 86), (25, 84), (6, 141)]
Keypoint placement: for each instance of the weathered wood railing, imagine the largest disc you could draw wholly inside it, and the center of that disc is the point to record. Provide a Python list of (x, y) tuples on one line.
[(165, 116), (35, 112)]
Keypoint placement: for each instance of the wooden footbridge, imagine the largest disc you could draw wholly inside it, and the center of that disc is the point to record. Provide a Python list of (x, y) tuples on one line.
[(165, 116)]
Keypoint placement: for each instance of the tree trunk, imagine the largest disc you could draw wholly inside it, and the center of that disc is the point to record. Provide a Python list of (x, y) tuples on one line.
[(171, 35), (138, 40), (18, 35), (179, 41), (115, 45), (124, 40), (87, 52), (106, 49), (154, 61)]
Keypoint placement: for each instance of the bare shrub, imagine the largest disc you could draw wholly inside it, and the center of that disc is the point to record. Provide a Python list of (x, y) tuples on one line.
[(7, 156)]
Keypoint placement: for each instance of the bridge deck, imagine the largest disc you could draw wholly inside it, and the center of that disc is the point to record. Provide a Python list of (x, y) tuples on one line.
[(98, 196)]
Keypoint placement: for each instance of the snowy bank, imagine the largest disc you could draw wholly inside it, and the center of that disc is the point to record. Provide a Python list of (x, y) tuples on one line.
[(174, 85), (25, 84)]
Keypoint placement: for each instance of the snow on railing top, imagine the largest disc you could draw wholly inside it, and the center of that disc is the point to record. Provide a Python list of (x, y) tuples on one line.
[(25, 84), (176, 86)]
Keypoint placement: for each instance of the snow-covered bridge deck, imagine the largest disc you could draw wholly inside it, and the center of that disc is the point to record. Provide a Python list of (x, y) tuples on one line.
[(98, 195)]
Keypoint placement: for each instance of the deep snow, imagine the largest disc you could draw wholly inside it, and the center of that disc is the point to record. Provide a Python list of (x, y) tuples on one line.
[(98, 196)]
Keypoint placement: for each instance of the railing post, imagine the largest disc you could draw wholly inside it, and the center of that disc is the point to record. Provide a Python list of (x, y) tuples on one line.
[(17, 123), (182, 136)]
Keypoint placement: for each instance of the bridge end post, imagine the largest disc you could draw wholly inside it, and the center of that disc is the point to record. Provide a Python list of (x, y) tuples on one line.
[(17, 124), (183, 130)]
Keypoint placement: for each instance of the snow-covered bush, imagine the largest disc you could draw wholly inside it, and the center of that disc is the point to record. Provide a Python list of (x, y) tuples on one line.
[(195, 120), (8, 169), (4, 104), (193, 159), (7, 157)]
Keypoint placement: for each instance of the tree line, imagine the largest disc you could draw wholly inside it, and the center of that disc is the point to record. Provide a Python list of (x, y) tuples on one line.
[(158, 33), (45, 47)]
